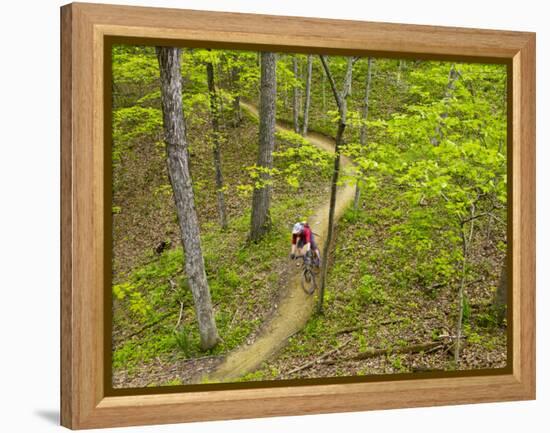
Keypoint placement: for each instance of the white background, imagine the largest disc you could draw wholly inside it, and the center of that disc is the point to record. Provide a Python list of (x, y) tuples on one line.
[(29, 219)]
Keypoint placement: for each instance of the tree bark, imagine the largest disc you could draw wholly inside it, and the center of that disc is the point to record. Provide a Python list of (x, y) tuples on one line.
[(261, 197), (453, 76), (180, 179), (363, 131), (295, 97), (214, 120), (308, 94), (341, 102)]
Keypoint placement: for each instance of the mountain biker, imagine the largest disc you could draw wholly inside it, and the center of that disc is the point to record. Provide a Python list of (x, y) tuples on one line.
[(304, 241)]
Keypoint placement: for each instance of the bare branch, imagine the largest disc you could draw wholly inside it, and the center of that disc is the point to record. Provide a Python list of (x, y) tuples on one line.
[(480, 215), (331, 81)]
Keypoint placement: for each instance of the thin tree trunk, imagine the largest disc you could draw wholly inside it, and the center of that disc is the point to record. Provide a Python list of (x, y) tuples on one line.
[(458, 332), (214, 119), (324, 100), (261, 198), (363, 131), (399, 70), (295, 97), (341, 102), (501, 296), (465, 248), (333, 190), (176, 151), (238, 118), (453, 76), (308, 94)]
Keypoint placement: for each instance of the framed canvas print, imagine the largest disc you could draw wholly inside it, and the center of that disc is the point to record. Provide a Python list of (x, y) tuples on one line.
[(265, 215)]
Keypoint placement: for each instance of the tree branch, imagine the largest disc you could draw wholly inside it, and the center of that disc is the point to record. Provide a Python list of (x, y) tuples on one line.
[(415, 348), (331, 82), (320, 358), (480, 215)]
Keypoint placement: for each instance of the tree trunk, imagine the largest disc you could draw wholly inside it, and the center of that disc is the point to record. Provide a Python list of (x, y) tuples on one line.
[(308, 94), (458, 331), (341, 102), (324, 96), (177, 163), (295, 97), (261, 198), (465, 249), (238, 117), (399, 70), (333, 190), (501, 296), (214, 119), (438, 135), (363, 131)]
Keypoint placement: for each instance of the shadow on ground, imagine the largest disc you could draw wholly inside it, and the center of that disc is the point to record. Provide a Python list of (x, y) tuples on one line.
[(50, 415)]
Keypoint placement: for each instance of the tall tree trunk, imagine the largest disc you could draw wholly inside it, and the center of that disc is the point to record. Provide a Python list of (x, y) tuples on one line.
[(261, 198), (399, 70), (238, 117), (308, 94), (466, 242), (214, 120), (451, 84), (501, 296), (458, 332), (363, 131), (176, 151), (341, 102), (295, 97), (324, 96)]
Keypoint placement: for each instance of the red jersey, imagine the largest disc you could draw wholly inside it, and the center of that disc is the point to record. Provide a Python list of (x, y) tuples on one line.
[(305, 235)]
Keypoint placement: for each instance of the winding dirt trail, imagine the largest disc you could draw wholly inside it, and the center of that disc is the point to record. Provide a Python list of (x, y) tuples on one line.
[(296, 307)]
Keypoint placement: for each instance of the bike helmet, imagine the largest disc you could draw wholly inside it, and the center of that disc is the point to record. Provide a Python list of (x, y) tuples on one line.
[(298, 227)]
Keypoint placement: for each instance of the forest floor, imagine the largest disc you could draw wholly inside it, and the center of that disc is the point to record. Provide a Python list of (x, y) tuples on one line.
[(372, 302), (376, 321), (155, 340)]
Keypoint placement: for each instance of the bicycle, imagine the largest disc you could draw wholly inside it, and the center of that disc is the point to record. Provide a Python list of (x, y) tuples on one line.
[(308, 281)]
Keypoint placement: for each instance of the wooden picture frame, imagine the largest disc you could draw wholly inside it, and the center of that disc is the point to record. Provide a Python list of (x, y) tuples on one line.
[(85, 32)]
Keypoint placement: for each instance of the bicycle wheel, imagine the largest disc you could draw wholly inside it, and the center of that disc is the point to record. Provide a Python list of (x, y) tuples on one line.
[(308, 281)]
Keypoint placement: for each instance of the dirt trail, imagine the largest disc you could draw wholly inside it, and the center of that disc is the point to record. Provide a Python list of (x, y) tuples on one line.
[(296, 307)]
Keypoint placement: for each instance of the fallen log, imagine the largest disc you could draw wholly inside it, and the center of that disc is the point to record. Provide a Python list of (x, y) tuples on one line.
[(415, 348), (320, 359), (144, 328), (361, 327)]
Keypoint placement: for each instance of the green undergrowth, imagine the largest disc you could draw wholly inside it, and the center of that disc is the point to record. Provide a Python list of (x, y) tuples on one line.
[(150, 290), (242, 285), (386, 290)]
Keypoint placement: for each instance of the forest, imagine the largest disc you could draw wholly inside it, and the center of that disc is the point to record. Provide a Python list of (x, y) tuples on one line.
[(399, 167)]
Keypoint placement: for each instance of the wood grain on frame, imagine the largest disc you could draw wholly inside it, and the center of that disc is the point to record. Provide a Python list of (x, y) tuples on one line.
[(84, 28)]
